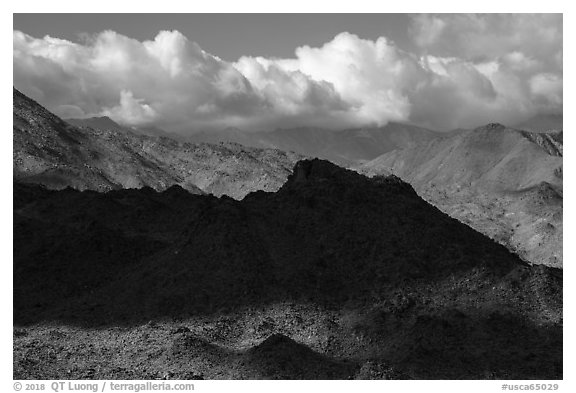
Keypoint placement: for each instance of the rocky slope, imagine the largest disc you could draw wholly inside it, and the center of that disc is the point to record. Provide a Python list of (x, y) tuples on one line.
[(344, 147), (335, 275), (503, 182), (105, 156)]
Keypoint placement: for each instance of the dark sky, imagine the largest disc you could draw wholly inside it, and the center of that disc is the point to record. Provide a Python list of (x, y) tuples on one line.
[(228, 36)]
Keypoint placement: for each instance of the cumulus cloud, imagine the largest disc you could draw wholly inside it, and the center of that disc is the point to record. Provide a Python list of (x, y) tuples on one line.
[(168, 80), (472, 69), (372, 76), (131, 110), (514, 59)]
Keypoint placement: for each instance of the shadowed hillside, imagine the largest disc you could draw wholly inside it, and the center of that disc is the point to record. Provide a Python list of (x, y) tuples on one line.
[(335, 275)]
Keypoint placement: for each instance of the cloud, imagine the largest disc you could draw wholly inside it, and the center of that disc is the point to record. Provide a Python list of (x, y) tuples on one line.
[(481, 37), (131, 110), (518, 58), (548, 88), (371, 76), (471, 70)]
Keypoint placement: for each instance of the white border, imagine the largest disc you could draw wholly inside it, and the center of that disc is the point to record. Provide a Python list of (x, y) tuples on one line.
[(303, 6)]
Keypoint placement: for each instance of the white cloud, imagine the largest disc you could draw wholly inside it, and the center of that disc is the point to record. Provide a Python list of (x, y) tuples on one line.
[(372, 76), (472, 70), (131, 110), (169, 81)]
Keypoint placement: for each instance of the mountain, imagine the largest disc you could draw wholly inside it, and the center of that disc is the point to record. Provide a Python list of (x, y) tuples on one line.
[(106, 123), (333, 276), (542, 123), (101, 122), (503, 182), (102, 155), (344, 147)]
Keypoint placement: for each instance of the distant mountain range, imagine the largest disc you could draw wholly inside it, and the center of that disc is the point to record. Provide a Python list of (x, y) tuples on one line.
[(542, 123), (504, 182), (101, 155), (344, 147), (106, 123)]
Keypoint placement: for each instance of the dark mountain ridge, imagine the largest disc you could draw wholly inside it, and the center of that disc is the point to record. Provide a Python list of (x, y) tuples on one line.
[(362, 271)]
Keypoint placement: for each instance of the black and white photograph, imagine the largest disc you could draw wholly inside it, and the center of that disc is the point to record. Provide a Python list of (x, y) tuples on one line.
[(287, 196)]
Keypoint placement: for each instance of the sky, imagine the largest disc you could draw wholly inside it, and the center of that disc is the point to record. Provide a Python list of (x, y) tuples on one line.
[(228, 36), (200, 72)]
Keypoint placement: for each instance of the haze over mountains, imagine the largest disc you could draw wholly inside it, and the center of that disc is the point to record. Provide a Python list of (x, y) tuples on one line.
[(542, 123), (345, 147)]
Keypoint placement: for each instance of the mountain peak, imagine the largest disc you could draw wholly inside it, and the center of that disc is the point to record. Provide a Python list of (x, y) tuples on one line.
[(307, 170), (98, 122), (493, 126), (104, 118), (316, 170)]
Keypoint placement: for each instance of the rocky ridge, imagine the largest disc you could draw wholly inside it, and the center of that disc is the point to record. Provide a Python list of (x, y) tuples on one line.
[(49, 151), (350, 276), (505, 183)]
